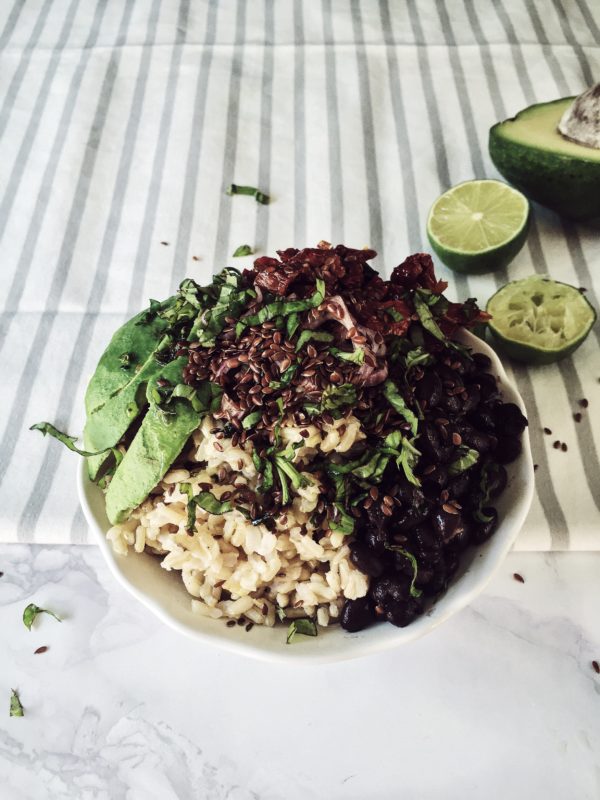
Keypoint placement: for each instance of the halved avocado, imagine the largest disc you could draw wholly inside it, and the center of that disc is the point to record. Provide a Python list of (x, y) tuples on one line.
[(530, 153), (155, 446)]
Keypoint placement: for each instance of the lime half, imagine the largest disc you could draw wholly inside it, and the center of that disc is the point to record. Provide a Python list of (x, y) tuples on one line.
[(478, 226), (537, 320)]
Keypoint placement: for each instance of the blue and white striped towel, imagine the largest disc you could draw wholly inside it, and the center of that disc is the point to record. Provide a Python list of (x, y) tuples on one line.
[(122, 122)]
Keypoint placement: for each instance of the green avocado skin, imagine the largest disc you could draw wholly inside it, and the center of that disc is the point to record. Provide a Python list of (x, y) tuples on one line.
[(568, 185), (156, 445)]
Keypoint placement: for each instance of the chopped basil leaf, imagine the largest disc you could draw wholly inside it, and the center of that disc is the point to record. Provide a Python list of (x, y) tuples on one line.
[(251, 420), (312, 409), (426, 317), (334, 397), (231, 300), (31, 612), (357, 356), (69, 441), (342, 522), (486, 487), (16, 709), (286, 307), (418, 356), (304, 626), (286, 378), (481, 516), (395, 399), (280, 613), (259, 196), (257, 461), (413, 562), (150, 312), (297, 479), (465, 461), (204, 500), (317, 336), (243, 250), (408, 461), (396, 315), (267, 477), (291, 324), (285, 491)]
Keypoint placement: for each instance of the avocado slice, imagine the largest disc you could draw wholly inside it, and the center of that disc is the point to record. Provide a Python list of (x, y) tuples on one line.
[(156, 445), (530, 153), (116, 395)]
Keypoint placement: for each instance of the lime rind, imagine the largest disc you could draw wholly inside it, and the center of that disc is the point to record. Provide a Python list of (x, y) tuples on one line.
[(476, 218), (540, 320)]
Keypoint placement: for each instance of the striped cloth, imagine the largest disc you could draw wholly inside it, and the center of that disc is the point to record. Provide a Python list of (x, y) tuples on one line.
[(122, 122)]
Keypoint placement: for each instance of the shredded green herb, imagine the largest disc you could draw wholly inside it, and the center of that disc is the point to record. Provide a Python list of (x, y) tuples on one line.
[(308, 336), (426, 317), (395, 399), (357, 356), (413, 562), (342, 521), (31, 612), (418, 356), (303, 626), (251, 419), (205, 500), (335, 397), (259, 196), (243, 250), (465, 461), (16, 709), (69, 441), (150, 312)]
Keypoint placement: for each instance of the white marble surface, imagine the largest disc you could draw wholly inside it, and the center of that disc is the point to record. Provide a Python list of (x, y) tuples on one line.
[(501, 702)]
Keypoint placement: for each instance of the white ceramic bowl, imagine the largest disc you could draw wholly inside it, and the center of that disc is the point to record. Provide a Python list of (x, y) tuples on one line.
[(163, 592)]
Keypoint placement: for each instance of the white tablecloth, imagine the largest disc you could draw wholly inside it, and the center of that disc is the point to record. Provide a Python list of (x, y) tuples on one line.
[(122, 122)]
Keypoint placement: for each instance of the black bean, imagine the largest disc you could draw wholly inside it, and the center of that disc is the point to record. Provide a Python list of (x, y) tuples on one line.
[(482, 362), (460, 485), (446, 525), (497, 479), (482, 419), (472, 399), (409, 519), (403, 613), (357, 614), (482, 531), (429, 389), (435, 480), (366, 559), (478, 440), (487, 385), (509, 419), (508, 449)]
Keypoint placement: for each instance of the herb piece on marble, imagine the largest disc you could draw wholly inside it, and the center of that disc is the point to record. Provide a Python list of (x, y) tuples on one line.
[(32, 611), (16, 709)]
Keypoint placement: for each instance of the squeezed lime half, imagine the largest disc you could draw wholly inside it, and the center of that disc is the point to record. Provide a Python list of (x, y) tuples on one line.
[(478, 226), (538, 321)]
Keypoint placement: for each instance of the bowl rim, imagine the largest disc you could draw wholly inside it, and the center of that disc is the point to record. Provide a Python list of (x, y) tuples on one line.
[(352, 645)]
